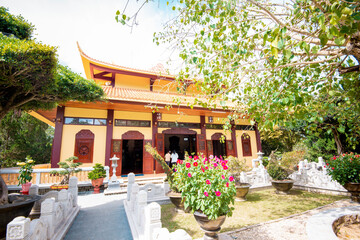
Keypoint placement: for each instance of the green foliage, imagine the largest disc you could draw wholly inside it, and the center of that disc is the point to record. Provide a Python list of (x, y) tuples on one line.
[(25, 170), (236, 166), (344, 168), (22, 135), (98, 172), (206, 185), (15, 25), (280, 167), (69, 168)]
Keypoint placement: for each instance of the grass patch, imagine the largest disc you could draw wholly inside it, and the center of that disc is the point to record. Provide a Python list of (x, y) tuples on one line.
[(261, 206)]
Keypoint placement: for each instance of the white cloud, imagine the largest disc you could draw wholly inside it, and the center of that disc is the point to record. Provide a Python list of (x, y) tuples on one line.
[(92, 23)]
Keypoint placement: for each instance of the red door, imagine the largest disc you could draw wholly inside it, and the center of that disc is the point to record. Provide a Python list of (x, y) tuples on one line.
[(161, 149), (148, 160), (84, 146), (116, 149), (201, 144)]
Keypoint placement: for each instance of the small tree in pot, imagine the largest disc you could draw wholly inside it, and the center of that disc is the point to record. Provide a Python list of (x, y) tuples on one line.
[(97, 177), (69, 167), (236, 166)]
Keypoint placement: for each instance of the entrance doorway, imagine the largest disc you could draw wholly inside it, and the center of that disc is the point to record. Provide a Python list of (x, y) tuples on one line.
[(219, 148), (181, 143), (132, 156)]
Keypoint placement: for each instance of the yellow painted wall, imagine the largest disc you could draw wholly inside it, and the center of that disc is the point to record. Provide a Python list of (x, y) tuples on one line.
[(85, 112), (210, 132), (253, 145), (198, 131), (242, 122), (216, 120), (68, 142), (180, 118), (133, 82), (119, 131), (165, 86)]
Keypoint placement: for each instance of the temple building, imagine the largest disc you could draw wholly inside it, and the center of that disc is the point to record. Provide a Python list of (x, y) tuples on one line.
[(137, 112)]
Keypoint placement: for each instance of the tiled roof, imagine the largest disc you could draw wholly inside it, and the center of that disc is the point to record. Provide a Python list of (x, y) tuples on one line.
[(135, 95)]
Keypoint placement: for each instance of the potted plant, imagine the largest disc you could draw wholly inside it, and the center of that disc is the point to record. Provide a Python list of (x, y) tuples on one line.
[(236, 166), (97, 177), (280, 168), (345, 169), (25, 175), (69, 167), (208, 189)]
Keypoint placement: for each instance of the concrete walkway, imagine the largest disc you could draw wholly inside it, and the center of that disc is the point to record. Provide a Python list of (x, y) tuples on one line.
[(100, 217)]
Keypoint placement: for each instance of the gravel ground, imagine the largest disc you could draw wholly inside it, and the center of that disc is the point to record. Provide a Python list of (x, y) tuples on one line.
[(288, 228)]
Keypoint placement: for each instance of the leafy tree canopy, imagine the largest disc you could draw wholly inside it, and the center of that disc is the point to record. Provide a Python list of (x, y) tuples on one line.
[(16, 25), (284, 60)]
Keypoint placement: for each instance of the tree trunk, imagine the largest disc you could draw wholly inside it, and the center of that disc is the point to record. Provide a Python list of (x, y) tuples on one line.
[(3, 192), (338, 142)]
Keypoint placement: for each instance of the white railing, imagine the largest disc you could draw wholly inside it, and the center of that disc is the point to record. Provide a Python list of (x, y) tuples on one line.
[(42, 176)]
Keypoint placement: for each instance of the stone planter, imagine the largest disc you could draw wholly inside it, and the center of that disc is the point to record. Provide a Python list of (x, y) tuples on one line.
[(19, 205), (282, 186), (97, 184), (175, 199), (210, 227), (242, 190), (354, 190), (25, 188)]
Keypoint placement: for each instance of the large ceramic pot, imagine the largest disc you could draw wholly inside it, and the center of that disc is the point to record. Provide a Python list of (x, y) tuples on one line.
[(19, 205), (242, 190), (97, 184), (209, 226), (175, 199), (25, 188), (282, 186), (354, 190)]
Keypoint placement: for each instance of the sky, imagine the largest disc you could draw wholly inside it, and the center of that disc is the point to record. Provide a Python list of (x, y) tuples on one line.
[(92, 23)]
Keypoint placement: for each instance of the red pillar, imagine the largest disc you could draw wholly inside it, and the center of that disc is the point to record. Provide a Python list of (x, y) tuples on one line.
[(258, 140), (56, 147), (154, 132), (109, 135), (233, 137)]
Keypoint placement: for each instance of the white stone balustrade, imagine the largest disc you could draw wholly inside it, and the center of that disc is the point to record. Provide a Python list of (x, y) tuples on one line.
[(145, 219), (55, 219)]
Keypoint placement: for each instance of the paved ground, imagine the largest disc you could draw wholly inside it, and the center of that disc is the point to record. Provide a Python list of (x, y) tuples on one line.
[(100, 217), (289, 228)]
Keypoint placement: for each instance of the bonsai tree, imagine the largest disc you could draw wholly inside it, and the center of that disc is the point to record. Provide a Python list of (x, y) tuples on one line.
[(98, 172), (236, 166), (69, 168)]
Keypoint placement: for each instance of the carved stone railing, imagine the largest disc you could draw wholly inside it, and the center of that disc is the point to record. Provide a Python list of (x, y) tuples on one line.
[(42, 176), (56, 217), (145, 219)]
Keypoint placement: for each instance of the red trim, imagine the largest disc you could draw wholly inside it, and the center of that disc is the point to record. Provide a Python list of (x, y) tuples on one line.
[(258, 139), (217, 136), (233, 138), (154, 132), (109, 135), (245, 140), (56, 148), (203, 125), (152, 81), (133, 135), (179, 131)]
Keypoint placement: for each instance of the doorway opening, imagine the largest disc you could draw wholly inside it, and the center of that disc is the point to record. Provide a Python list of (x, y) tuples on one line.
[(132, 156), (219, 148), (181, 143)]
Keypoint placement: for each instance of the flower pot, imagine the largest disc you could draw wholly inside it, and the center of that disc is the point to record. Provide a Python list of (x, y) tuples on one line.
[(354, 190), (209, 226), (97, 184), (176, 199), (25, 188), (242, 190), (282, 186)]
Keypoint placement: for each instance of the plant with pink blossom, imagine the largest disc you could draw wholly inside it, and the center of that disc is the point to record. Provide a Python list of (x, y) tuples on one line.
[(206, 185)]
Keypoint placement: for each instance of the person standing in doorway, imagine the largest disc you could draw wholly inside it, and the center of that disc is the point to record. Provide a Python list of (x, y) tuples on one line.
[(167, 158), (174, 158)]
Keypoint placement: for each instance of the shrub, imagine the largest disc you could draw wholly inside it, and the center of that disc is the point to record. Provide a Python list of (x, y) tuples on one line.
[(344, 168), (98, 172), (25, 171)]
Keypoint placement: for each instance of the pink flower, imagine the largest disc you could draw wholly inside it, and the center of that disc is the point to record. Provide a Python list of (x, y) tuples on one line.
[(231, 178), (196, 157), (190, 157), (189, 174), (227, 184), (206, 194), (217, 193), (179, 161), (334, 158), (223, 163), (208, 181), (215, 164), (222, 176), (174, 169), (225, 167), (202, 169), (195, 164), (206, 167), (188, 165)]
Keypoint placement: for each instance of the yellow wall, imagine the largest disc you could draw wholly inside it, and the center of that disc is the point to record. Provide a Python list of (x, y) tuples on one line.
[(242, 122), (119, 131), (133, 82), (68, 142), (165, 86), (210, 132), (85, 112), (198, 131), (253, 145), (180, 118)]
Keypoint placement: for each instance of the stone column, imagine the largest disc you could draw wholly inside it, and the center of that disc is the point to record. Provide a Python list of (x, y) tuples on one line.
[(152, 219), (73, 189), (141, 204), (34, 190), (48, 215), (131, 181), (134, 192), (18, 229)]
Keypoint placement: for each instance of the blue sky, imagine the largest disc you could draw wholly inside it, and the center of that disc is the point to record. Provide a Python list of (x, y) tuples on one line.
[(92, 23)]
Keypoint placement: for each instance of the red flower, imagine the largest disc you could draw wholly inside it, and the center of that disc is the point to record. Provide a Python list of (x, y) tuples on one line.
[(202, 169), (215, 164), (179, 161), (332, 168), (334, 158), (188, 165), (206, 167), (195, 164), (217, 193), (231, 178), (208, 181), (227, 184), (196, 157), (189, 174), (327, 164), (225, 167), (222, 176), (206, 194), (223, 164)]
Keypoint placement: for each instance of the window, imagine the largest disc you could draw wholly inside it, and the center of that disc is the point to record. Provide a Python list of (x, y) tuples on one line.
[(178, 124), (214, 126), (245, 127), (246, 145), (85, 121), (132, 123)]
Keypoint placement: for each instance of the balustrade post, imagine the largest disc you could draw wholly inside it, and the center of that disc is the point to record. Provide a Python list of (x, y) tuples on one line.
[(73, 189), (48, 214), (152, 219), (18, 229), (141, 204)]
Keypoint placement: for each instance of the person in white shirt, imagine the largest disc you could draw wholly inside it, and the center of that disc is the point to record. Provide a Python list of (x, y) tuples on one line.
[(174, 157)]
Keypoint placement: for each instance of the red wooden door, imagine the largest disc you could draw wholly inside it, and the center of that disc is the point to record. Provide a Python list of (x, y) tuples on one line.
[(201, 144), (148, 160), (209, 148), (116, 149), (160, 146), (230, 148), (84, 146)]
